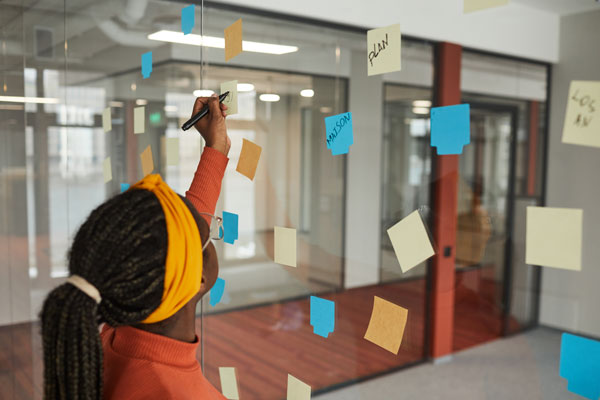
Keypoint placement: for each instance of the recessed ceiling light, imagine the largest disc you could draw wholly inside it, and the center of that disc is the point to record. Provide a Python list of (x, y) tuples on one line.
[(326, 110), (116, 103), (20, 99), (421, 103), (170, 108), (420, 110), (245, 87), (133, 87), (307, 93), (141, 102), (269, 97), (203, 92)]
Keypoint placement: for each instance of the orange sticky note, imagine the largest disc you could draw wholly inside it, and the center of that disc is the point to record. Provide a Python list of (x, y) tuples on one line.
[(249, 157), (233, 40), (147, 161), (386, 327)]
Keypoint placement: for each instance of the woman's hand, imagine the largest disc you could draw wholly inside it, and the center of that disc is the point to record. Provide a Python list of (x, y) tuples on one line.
[(212, 127)]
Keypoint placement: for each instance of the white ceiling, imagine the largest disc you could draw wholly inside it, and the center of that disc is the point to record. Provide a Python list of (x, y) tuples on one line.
[(562, 7)]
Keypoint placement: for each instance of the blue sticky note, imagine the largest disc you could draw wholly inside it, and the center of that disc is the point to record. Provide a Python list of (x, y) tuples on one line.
[(217, 292), (338, 133), (188, 15), (450, 128), (124, 187), (322, 316), (146, 64), (230, 227), (580, 365)]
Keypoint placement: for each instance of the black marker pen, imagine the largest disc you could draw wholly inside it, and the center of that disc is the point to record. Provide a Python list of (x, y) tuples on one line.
[(192, 121)]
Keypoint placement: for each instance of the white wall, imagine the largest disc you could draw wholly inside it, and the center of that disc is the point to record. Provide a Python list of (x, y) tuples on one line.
[(514, 29), (570, 300)]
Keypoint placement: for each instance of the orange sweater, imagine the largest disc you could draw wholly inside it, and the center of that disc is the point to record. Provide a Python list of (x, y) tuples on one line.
[(143, 365)]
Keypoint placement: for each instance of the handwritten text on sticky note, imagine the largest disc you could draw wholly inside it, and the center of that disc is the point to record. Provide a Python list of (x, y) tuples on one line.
[(339, 133), (580, 365), (450, 128), (231, 101), (384, 50), (582, 119), (386, 327)]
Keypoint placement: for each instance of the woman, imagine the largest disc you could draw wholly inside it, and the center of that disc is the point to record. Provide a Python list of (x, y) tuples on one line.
[(140, 263)]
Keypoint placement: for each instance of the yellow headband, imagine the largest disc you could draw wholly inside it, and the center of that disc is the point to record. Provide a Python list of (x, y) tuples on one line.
[(183, 270)]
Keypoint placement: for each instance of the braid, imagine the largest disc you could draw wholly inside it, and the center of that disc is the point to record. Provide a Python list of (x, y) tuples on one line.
[(121, 249)]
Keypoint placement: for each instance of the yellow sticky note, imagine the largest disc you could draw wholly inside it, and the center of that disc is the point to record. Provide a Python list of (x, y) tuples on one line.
[(476, 5), (147, 161), (106, 120), (229, 386), (384, 50), (285, 246), (386, 327), (296, 389), (139, 120), (107, 170), (410, 241), (248, 160), (231, 101), (554, 237), (172, 151), (582, 119), (233, 40)]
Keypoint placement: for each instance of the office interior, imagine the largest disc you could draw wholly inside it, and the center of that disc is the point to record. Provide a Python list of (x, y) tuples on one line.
[(63, 62)]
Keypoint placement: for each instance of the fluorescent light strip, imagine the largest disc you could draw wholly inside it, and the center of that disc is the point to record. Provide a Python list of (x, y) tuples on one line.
[(219, 43), (39, 100)]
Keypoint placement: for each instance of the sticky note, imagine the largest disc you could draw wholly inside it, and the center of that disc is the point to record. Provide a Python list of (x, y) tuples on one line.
[(229, 387), (384, 50), (146, 64), (172, 151), (338, 133), (476, 5), (231, 101), (553, 237), (450, 128), (410, 241), (580, 365), (107, 170), (230, 227), (106, 120), (188, 16), (233, 40), (285, 246), (386, 327), (217, 292), (124, 187), (322, 316), (139, 120), (582, 118), (296, 389), (147, 161), (248, 160)]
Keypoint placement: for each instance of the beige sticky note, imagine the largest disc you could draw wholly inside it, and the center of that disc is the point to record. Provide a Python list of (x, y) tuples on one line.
[(410, 241), (386, 327), (384, 50), (231, 101), (233, 40), (229, 386), (107, 170), (296, 389), (106, 120), (139, 120), (285, 246), (248, 160), (172, 151), (147, 161), (582, 119), (553, 237), (476, 5)]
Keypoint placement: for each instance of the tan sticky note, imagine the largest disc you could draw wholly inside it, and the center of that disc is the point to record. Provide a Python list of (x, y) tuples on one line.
[(107, 170), (139, 120), (476, 5), (233, 40), (147, 161), (554, 237), (172, 151), (296, 389), (384, 50), (582, 119), (285, 246), (386, 327), (106, 120), (231, 101), (229, 386), (410, 241), (248, 160)]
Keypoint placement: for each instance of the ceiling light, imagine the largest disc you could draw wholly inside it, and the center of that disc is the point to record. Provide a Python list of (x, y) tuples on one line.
[(270, 97), (170, 108), (203, 92), (217, 42), (116, 104), (307, 93), (133, 87), (326, 110), (141, 102), (20, 99), (245, 87), (421, 103), (420, 110)]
